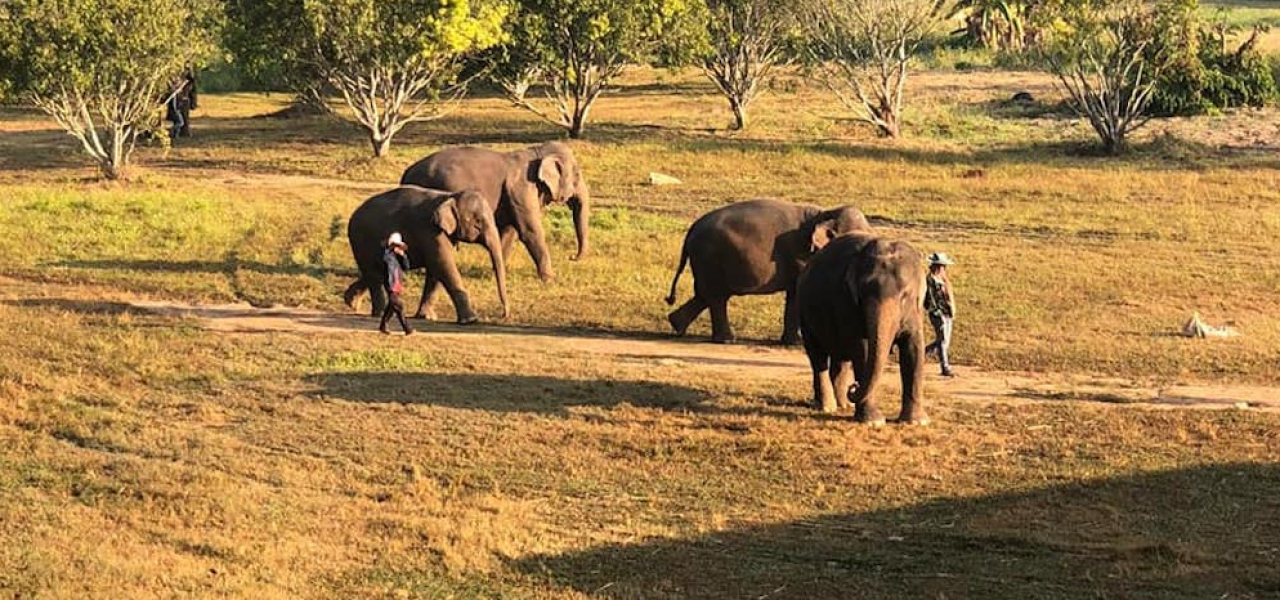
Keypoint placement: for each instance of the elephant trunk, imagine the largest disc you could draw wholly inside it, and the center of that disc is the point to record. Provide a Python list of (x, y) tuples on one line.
[(580, 204), (493, 242), (880, 320)]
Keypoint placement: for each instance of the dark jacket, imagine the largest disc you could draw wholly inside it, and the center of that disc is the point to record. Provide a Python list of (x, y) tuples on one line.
[(396, 265), (938, 301)]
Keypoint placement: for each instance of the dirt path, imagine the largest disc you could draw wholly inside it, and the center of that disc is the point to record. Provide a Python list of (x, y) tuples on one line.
[(973, 384)]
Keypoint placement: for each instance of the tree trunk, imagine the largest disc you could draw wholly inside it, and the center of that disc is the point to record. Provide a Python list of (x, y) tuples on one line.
[(889, 126), (578, 124), (113, 164), (381, 145), (739, 114)]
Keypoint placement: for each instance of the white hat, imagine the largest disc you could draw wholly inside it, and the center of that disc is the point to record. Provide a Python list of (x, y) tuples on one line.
[(395, 240), (940, 258)]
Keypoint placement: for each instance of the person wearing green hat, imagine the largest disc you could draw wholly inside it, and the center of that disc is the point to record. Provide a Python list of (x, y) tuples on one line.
[(940, 305)]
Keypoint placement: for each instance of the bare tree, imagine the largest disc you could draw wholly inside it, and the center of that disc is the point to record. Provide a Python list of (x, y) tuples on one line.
[(745, 43), (1108, 55), (861, 50)]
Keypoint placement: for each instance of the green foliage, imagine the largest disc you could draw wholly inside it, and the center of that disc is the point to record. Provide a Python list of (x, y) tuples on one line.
[(579, 46), (995, 24), (94, 46), (1208, 76), (397, 61), (269, 43)]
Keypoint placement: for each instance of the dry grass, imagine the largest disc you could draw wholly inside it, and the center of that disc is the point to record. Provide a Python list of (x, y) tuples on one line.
[(141, 456)]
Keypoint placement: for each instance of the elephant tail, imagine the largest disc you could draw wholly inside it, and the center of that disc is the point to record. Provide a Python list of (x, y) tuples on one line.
[(684, 260), (353, 293)]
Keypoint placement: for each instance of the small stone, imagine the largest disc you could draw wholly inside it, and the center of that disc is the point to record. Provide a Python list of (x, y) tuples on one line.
[(656, 178)]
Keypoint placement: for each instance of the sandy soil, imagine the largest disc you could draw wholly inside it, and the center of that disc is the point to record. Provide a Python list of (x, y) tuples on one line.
[(764, 361)]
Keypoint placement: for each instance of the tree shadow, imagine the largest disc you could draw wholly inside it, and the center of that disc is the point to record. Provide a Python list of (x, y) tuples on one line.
[(1203, 532), (502, 393), (85, 307), (202, 266)]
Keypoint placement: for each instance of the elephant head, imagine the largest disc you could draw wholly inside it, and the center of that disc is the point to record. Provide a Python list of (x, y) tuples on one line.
[(466, 217), (830, 224), (559, 179)]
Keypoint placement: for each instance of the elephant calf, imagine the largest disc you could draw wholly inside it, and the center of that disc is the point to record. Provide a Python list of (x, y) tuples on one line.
[(431, 222), (858, 297), (754, 247)]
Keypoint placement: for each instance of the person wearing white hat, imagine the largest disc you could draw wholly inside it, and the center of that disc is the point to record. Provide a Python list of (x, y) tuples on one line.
[(940, 305), (397, 263)]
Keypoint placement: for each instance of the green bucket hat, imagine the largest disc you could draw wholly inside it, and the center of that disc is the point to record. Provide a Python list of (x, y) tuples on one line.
[(940, 258)]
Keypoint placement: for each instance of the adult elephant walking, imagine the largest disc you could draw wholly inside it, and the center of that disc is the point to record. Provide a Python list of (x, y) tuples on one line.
[(858, 297), (516, 185), (754, 247), (431, 222)]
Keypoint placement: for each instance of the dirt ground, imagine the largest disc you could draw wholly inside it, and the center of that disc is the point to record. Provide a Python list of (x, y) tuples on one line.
[(760, 361)]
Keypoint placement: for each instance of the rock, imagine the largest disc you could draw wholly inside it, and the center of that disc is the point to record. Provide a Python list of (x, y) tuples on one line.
[(1023, 97), (656, 178)]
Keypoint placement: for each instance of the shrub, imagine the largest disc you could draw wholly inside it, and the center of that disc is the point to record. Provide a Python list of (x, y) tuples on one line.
[(1210, 77)]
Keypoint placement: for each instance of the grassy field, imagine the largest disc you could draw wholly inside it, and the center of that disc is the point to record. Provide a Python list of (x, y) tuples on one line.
[(142, 456)]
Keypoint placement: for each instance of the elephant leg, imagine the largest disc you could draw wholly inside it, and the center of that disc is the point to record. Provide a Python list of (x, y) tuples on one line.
[(721, 331), (430, 289), (509, 236), (824, 397), (377, 297), (842, 382), (442, 265), (911, 366), (688, 312), (790, 320)]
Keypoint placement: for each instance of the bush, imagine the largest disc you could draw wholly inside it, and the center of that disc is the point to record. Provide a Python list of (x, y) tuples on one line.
[(1210, 77)]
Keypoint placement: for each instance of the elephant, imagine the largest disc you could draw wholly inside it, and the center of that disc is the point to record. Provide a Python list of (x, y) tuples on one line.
[(753, 247), (517, 185), (431, 222), (858, 297)]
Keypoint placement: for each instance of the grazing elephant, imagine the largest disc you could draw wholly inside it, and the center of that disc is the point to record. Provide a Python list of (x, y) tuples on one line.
[(517, 185), (431, 222), (754, 247), (857, 297)]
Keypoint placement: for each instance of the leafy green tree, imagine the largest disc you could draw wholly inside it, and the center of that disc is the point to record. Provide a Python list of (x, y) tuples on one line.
[(103, 68), (396, 62), (269, 42), (577, 47), (862, 49), (745, 41), (1109, 56)]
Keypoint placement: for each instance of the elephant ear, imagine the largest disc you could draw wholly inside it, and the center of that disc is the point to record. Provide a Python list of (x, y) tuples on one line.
[(823, 233), (552, 173), (446, 217)]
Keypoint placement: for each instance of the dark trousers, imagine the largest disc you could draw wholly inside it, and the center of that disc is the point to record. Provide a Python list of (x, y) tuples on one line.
[(395, 306)]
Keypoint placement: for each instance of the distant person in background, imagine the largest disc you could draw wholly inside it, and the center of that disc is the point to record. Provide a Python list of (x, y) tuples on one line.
[(940, 305), (396, 264), (178, 110)]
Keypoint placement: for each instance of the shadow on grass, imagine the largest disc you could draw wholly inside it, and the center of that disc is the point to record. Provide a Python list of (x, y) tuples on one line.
[(502, 393), (202, 266), (1204, 532), (84, 307)]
